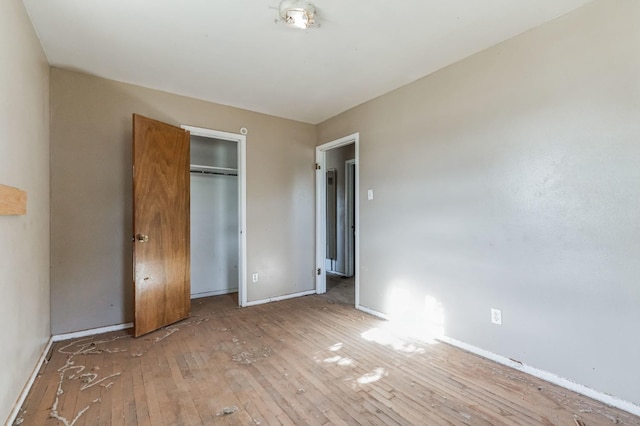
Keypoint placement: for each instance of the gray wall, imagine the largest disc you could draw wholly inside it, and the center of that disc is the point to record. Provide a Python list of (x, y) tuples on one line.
[(515, 185), (335, 159), (91, 195), (24, 163)]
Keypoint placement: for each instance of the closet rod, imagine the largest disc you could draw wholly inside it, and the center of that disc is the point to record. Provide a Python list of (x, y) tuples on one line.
[(224, 169), (213, 173)]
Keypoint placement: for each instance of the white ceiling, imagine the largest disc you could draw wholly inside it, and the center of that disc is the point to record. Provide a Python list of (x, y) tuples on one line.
[(232, 52)]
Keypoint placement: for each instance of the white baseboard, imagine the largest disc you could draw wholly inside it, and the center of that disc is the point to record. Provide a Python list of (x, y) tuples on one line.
[(27, 387), (372, 312), (214, 293), (532, 371), (278, 298), (91, 332), (547, 376)]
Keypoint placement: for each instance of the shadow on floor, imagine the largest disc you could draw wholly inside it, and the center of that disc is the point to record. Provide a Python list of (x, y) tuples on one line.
[(341, 289)]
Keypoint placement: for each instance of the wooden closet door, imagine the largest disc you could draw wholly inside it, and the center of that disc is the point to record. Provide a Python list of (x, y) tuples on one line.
[(161, 257)]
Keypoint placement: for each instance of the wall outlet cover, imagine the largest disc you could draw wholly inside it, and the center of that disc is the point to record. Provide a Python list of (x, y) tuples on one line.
[(496, 316)]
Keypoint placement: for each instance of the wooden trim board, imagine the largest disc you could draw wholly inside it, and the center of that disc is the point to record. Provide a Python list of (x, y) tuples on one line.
[(13, 201), (91, 332), (278, 298)]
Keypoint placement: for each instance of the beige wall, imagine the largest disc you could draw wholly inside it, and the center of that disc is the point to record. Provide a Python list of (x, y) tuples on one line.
[(515, 185), (91, 195), (24, 163)]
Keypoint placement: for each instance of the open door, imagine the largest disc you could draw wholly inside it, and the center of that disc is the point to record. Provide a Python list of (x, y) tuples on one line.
[(161, 259)]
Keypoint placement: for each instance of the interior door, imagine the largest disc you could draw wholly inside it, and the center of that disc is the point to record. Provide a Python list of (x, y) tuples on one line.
[(161, 257)]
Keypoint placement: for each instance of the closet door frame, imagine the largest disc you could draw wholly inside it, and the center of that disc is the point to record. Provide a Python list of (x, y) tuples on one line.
[(241, 140)]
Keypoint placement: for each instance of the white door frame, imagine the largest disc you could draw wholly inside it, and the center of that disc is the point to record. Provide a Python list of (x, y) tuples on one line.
[(349, 208), (321, 202), (242, 200)]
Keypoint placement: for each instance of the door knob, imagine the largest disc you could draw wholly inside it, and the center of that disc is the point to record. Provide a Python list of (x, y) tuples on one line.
[(142, 238)]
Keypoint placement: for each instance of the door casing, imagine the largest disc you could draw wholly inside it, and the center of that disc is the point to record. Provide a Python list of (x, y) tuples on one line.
[(242, 200)]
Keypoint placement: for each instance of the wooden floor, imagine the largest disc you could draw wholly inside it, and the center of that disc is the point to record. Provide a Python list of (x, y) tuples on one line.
[(341, 289), (295, 362)]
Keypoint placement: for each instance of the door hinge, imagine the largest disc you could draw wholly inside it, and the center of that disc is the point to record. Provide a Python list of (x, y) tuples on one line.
[(318, 166), (319, 271)]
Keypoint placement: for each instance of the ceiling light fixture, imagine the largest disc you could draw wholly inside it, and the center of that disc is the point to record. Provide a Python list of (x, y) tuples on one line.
[(297, 13)]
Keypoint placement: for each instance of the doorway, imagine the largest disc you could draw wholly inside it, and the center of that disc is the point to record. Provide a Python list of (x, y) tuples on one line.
[(337, 246), (218, 213)]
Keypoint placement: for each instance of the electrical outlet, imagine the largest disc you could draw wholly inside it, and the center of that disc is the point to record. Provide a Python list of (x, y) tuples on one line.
[(496, 316), (254, 277)]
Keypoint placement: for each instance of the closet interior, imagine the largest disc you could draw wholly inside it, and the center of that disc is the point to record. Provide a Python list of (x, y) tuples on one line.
[(214, 217)]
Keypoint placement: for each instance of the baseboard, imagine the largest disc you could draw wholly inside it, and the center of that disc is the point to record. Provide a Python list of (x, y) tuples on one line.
[(278, 298), (91, 332), (532, 371), (372, 312), (213, 293), (27, 387), (547, 376)]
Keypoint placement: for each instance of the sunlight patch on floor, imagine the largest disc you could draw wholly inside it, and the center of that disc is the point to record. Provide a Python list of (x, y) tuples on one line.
[(374, 376), (420, 318), (341, 361), (388, 337), (335, 347), (411, 320), (334, 358)]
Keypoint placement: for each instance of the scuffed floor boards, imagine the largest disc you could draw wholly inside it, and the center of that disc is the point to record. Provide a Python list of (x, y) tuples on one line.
[(310, 360)]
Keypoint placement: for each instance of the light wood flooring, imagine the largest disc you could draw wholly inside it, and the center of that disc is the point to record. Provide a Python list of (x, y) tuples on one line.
[(295, 362)]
